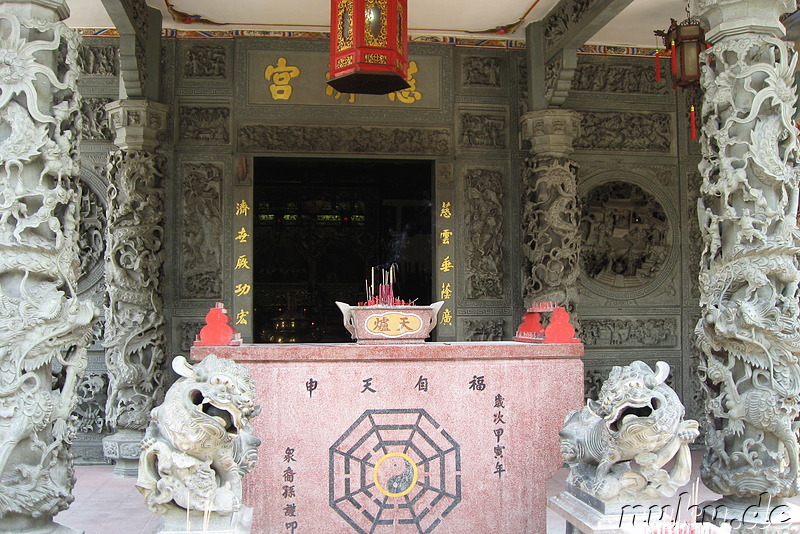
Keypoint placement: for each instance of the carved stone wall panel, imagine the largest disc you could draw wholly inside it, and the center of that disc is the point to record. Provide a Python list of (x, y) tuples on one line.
[(693, 394), (95, 119), (482, 73), (630, 229), (483, 329), (187, 331), (482, 129), (92, 229), (201, 238), (343, 139), (484, 272), (205, 64), (630, 332), (692, 237), (626, 132), (608, 75), (100, 59), (204, 124), (201, 61)]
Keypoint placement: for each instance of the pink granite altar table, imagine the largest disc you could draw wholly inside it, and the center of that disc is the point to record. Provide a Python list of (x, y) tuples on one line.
[(437, 437)]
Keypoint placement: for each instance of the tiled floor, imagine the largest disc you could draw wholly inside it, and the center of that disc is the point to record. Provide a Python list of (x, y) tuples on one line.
[(105, 504)]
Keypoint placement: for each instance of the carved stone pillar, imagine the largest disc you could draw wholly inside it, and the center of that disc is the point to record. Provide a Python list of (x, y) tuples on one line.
[(550, 214), (134, 333), (749, 333), (44, 328)]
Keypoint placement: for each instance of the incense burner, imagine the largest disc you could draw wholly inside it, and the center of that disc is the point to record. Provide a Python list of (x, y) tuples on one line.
[(385, 324)]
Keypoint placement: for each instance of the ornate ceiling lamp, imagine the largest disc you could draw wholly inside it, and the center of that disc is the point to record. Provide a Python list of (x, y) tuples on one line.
[(369, 46), (684, 41)]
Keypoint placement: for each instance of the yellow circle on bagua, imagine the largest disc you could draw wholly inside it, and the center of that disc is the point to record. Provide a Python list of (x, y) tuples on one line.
[(403, 484)]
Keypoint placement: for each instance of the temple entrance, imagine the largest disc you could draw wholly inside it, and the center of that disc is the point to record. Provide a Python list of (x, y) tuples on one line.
[(321, 225)]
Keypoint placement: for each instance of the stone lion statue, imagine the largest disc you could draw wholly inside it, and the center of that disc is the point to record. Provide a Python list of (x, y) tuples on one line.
[(616, 447), (199, 442)]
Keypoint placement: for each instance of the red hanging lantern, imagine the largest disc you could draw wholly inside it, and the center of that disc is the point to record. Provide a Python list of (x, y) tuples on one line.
[(685, 42), (369, 46)]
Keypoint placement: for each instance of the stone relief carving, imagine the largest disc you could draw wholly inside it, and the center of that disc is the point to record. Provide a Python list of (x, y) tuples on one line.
[(626, 237), (629, 79), (44, 327), (557, 24), (95, 119), (201, 240), (482, 130), (204, 62), (444, 175), (749, 333), (483, 329), (551, 231), (205, 124), (137, 10), (481, 71), (625, 131), (134, 334), (362, 140), (99, 60), (629, 332), (618, 448), (522, 86), (90, 409), (484, 222), (695, 238), (552, 71), (91, 242), (199, 443), (188, 334)]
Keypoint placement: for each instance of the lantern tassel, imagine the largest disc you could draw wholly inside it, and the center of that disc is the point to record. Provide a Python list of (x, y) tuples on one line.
[(692, 121), (658, 65), (674, 58)]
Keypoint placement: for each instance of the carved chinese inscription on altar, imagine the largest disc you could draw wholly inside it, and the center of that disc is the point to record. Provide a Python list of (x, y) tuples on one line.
[(626, 235), (397, 460)]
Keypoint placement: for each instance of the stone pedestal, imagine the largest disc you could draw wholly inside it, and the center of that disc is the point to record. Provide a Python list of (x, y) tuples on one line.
[(124, 448), (584, 519), (434, 437), (762, 517), (176, 522), (18, 525)]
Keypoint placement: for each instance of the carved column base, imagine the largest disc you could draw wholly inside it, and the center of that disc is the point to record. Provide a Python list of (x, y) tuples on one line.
[(19, 524), (758, 517), (124, 448), (174, 522)]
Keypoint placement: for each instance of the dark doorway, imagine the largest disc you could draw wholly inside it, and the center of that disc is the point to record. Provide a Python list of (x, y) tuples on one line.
[(321, 225)]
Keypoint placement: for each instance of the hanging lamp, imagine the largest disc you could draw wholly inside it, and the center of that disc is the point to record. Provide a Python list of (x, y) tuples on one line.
[(685, 41), (369, 46)]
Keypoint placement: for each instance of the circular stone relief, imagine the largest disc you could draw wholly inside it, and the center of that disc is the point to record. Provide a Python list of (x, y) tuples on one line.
[(627, 239)]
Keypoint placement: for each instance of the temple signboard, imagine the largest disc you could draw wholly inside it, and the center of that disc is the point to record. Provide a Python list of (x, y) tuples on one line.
[(299, 78)]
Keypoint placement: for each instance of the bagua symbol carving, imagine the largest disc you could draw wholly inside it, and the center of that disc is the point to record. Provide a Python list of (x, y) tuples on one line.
[(395, 469)]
